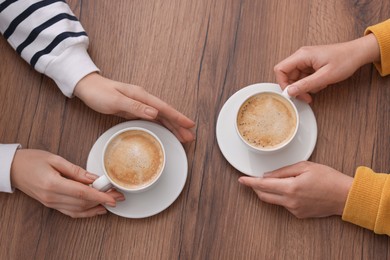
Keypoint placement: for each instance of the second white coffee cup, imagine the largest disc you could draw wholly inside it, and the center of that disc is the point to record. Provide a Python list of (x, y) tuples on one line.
[(267, 121)]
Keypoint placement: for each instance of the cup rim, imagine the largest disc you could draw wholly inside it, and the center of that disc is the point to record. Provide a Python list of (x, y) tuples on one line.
[(283, 144), (141, 187)]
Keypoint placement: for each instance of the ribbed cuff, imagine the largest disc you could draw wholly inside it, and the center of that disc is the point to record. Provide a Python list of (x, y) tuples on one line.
[(382, 225), (70, 67), (7, 153), (364, 198), (382, 34)]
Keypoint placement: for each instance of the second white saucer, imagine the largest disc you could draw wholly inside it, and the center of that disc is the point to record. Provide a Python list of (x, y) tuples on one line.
[(254, 164)]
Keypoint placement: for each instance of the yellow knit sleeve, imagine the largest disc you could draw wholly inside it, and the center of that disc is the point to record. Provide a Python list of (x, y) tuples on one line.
[(368, 202), (382, 34)]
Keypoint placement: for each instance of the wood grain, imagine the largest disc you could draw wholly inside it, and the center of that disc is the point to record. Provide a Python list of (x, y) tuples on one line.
[(195, 55)]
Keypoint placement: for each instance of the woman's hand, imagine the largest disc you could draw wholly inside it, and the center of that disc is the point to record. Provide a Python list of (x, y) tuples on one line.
[(59, 184), (129, 101), (313, 68), (305, 189)]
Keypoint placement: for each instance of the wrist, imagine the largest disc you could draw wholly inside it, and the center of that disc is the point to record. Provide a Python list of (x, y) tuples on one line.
[(367, 49), (16, 171), (85, 83), (346, 185)]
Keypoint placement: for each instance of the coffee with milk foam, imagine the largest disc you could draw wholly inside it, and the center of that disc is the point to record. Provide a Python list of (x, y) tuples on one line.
[(133, 159), (266, 120)]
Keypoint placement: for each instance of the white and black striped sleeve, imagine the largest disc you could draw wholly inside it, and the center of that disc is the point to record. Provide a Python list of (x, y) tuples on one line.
[(49, 37)]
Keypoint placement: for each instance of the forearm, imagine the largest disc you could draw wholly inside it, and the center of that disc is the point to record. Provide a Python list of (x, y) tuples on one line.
[(50, 38)]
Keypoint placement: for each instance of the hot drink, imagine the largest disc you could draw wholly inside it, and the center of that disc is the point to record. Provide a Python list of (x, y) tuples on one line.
[(133, 159), (266, 120)]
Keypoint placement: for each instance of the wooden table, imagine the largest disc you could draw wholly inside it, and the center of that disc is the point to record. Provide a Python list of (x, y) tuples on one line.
[(195, 55)]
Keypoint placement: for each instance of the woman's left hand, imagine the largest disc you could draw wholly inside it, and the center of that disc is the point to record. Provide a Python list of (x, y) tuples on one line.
[(305, 189)]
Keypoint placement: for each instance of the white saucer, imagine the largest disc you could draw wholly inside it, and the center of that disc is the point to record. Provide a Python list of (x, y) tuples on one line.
[(168, 187), (254, 164)]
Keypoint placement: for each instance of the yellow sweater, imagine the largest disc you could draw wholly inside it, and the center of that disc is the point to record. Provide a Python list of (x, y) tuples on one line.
[(368, 202)]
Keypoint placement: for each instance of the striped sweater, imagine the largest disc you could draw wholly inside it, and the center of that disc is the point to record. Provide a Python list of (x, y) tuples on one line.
[(50, 38)]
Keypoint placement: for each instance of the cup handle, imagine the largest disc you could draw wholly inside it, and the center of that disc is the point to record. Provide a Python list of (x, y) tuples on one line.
[(285, 93), (102, 183)]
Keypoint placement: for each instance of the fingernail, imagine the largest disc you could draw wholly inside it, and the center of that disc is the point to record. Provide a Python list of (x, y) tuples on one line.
[(292, 90), (91, 176), (151, 112), (241, 181)]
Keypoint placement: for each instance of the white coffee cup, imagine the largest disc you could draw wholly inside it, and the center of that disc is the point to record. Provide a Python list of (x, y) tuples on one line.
[(267, 121), (133, 160)]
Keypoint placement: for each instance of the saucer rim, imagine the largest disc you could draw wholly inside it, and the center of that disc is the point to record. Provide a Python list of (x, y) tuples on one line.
[(250, 90)]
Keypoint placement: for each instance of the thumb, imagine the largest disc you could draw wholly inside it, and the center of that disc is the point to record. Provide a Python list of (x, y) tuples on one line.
[(249, 181)]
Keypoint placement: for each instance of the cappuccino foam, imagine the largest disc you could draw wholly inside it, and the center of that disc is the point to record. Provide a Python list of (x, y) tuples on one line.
[(266, 120), (133, 159)]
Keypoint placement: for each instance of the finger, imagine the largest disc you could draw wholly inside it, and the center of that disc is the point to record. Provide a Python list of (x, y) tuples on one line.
[(72, 186), (126, 115), (288, 70), (98, 210), (274, 186), (72, 171), (118, 196), (287, 79), (270, 198), (284, 78), (170, 126), (175, 117), (83, 192), (137, 108), (306, 97), (249, 181), (186, 134), (288, 171), (164, 110), (309, 83), (183, 134), (136, 101), (74, 203), (75, 206)]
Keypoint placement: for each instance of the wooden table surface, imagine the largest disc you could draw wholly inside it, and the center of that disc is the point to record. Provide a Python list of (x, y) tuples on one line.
[(195, 55)]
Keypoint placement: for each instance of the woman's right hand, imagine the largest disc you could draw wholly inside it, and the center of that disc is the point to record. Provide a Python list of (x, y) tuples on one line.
[(59, 184), (313, 68), (131, 102)]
